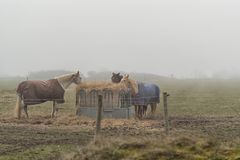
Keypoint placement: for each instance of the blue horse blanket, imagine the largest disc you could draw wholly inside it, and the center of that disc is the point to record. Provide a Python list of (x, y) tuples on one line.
[(147, 94)]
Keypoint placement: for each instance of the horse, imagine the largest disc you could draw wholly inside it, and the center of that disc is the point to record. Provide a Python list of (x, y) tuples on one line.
[(33, 92), (116, 77), (143, 94)]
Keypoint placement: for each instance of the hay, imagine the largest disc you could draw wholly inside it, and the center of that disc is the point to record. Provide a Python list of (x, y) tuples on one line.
[(101, 86)]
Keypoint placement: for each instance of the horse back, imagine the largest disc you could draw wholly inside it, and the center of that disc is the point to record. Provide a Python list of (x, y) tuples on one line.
[(152, 93), (35, 92), (147, 94), (149, 89)]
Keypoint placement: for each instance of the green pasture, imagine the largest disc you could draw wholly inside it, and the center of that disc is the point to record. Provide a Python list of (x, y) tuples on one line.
[(188, 98)]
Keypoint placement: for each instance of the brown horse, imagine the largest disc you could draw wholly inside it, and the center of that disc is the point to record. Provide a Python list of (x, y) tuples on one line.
[(37, 92)]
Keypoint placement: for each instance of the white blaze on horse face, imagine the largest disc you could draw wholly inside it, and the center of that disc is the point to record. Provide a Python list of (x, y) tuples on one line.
[(78, 80)]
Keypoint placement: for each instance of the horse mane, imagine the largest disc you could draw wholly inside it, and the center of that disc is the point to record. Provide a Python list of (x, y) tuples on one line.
[(64, 77), (133, 85), (65, 80)]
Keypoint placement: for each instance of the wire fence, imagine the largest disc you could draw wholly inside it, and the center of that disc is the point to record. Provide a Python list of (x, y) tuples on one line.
[(219, 124), (175, 101)]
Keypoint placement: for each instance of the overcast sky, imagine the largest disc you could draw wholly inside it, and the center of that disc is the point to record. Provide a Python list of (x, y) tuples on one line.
[(165, 37)]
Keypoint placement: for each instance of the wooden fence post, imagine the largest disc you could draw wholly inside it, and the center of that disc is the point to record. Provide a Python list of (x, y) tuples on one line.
[(165, 95), (99, 116)]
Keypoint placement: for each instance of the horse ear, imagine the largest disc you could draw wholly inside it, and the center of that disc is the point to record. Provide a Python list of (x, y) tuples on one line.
[(126, 76)]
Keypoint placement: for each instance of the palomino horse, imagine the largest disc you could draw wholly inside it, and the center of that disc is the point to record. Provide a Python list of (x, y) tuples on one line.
[(143, 94), (116, 78), (37, 92)]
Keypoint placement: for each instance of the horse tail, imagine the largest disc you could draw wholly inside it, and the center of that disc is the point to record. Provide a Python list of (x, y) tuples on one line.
[(18, 106), (19, 101), (158, 92)]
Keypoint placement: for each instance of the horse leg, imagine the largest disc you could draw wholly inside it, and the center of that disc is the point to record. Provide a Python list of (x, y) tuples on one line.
[(136, 112), (145, 110), (25, 110), (153, 109), (53, 109), (140, 112), (56, 113)]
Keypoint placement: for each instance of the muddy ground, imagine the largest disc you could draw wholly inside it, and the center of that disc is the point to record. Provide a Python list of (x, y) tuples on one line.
[(19, 135), (17, 138), (219, 122)]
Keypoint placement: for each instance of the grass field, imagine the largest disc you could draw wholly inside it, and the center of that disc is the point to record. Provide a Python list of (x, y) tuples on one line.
[(204, 118)]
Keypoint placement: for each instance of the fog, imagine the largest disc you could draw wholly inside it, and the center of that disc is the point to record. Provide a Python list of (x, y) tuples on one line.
[(187, 38)]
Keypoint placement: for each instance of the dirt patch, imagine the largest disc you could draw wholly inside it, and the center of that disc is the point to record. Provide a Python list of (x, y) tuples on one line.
[(224, 127), (21, 137)]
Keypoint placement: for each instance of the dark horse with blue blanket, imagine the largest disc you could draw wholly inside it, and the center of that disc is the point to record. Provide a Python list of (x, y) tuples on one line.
[(143, 94)]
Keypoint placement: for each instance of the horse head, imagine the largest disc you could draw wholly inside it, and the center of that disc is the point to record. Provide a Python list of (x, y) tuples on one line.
[(116, 77), (130, 83), (76, 78)]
